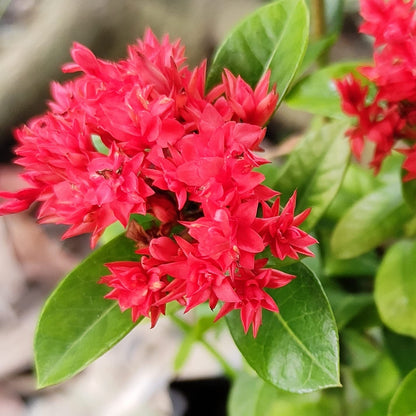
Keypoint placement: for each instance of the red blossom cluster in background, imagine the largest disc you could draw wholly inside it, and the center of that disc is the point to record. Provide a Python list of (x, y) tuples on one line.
[(390, 115), (141, 136)]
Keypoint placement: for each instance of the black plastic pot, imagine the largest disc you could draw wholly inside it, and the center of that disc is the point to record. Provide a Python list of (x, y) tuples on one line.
[(200, 397)]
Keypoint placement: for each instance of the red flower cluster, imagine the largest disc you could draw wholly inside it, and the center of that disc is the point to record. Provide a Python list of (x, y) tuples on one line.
[(389, 115), (141, 136)]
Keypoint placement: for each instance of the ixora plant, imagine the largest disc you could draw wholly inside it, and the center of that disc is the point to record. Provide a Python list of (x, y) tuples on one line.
[(160, 164)]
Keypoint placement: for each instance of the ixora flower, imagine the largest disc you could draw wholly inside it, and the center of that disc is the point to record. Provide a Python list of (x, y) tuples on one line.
[(142, 136), (388, 115)]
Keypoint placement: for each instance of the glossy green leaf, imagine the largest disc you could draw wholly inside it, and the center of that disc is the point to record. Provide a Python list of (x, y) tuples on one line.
[(403, 402), (317, 93), (395, 288), (362, 267), (372, 220), (274, 37), (77, 325), (315, 168), (112, 231), (297, 349), (251, 396)]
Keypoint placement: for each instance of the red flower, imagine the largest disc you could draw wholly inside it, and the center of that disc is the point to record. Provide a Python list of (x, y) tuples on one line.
[(250, 285), (254, 107), (281, 232), (141, 136), (387, 117), (228, 237), (137, 288)]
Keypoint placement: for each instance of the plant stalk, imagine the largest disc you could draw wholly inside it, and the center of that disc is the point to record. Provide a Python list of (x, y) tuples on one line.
[(318, 27), (318, 19), (227, 369)]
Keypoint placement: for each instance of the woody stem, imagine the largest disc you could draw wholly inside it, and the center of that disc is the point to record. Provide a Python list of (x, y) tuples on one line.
[(318, 30)]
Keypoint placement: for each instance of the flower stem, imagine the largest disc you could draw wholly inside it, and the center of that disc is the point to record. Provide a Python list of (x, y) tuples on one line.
[(318, 30), (227, 369), (318, 19)]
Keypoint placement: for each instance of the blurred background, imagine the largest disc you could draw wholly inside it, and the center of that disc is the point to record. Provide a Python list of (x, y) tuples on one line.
[(35, 38)]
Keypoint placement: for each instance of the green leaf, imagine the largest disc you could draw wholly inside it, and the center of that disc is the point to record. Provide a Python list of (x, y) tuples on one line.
[(372, 220), (402, 349), (409, 192), (317, 93), (379, 380), (297, 349), (358, 182), (77, 325), (376, 408), (251, 396), (99, 144), (315, 49), (364, 265), (403, 402), (112, 231), (245, 396), (270, 172), (360, 350), (395, 288), (346, 305), (315, 168), (274, 37)]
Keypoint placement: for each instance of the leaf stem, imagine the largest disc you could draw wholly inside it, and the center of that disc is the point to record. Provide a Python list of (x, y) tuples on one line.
[(227, 368), (318, 30), (318, 19)]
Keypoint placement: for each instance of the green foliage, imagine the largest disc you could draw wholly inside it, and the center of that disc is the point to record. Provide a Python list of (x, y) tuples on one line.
[(363, 283), (378, 216), (274, 37), (317, 94), (345, 305), (395, 289), (379, 380), (402, 349), (315, 169), (315, 49), (297, 349), (77, 325), (251, 396), (409, 192), (403, 402)]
